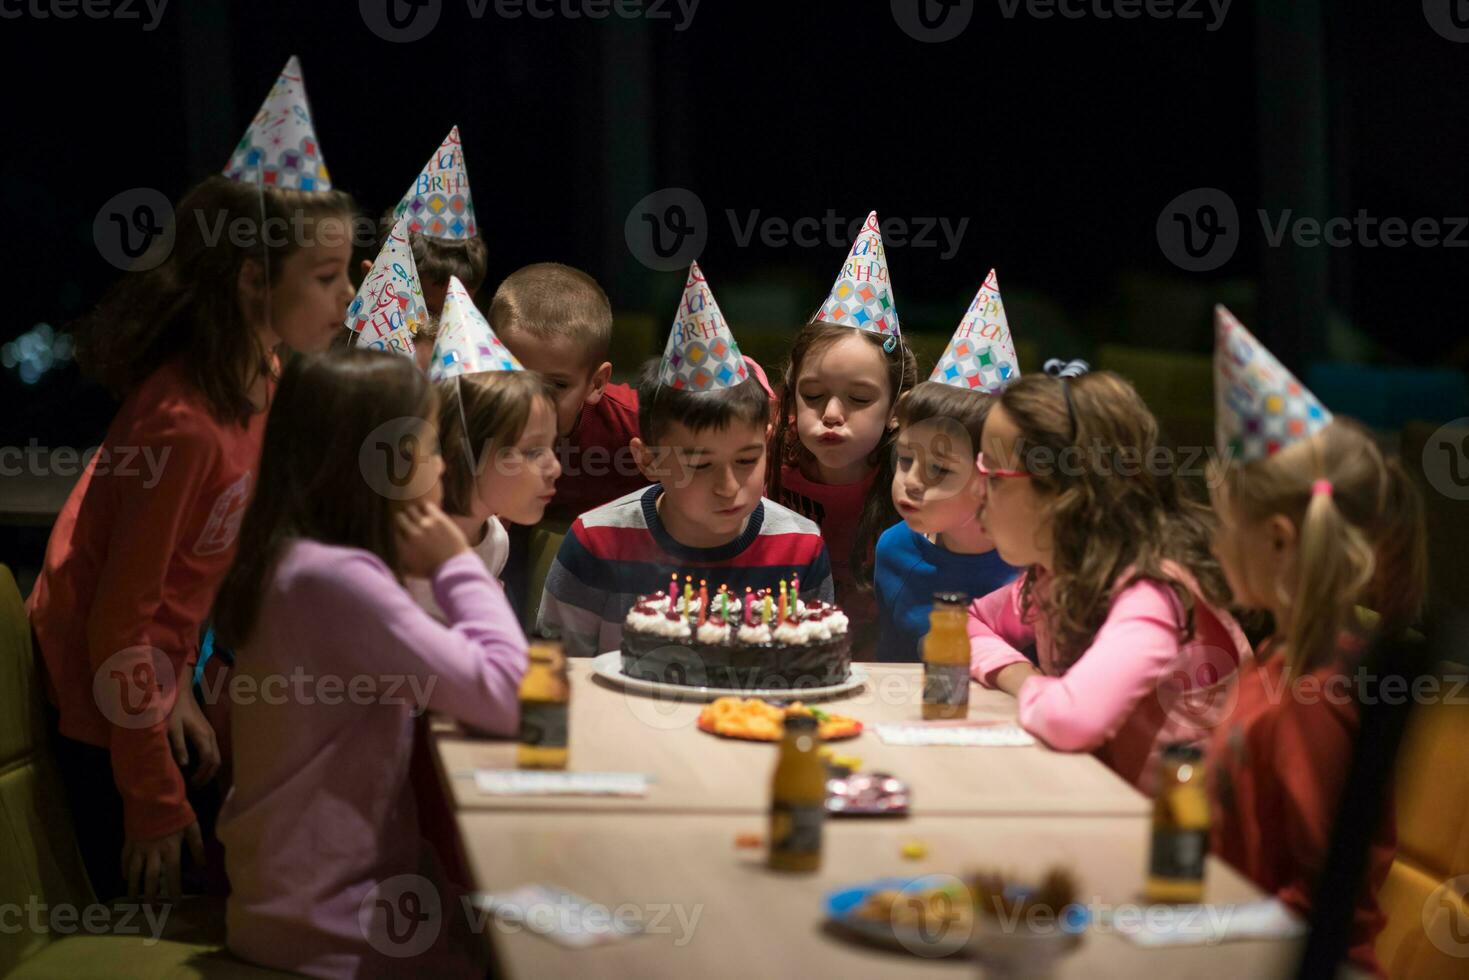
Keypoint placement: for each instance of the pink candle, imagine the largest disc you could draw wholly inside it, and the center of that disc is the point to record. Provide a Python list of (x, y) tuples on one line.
[(673, 592), (749, 602)]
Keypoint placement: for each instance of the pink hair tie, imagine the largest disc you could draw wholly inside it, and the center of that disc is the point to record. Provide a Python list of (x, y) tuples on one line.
[(1321, 486)]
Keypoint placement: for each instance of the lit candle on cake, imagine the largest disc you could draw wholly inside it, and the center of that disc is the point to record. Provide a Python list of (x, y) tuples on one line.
[(749, 607), (673, 592), (766, 610), (782, 601), (703, 601)]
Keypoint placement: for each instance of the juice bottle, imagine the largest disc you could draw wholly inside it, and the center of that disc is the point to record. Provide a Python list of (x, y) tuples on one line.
[(946, 658), (1180, 828), (798, 798), (545, 701)]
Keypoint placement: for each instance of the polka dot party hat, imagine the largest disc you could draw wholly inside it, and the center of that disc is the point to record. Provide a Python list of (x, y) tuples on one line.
[(1259, 406), (466, 344), (701, 354), (981, 354), (438, 204), (279, 148), (862, 296)]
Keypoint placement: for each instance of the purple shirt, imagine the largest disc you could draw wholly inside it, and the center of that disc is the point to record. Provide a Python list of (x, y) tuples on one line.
[(320, 824)]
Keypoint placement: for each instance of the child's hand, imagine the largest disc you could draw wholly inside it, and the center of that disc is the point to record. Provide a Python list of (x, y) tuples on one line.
[(186, 723), (426, 539), (154, 868)]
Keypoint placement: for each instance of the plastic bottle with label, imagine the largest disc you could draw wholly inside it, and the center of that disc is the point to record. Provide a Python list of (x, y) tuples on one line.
[(1180, 827), (946, 658), (545, 708), (798, 798)]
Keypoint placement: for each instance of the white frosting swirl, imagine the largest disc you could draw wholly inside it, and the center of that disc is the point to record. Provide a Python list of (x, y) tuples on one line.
[(713, 632), (756, 633)]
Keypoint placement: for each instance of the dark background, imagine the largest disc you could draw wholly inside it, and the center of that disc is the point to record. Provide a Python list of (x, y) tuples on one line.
[(1061, 141)]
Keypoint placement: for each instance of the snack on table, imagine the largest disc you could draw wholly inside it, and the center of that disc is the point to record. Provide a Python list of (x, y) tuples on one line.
[(930, 911), (705, 637), (757, 720)]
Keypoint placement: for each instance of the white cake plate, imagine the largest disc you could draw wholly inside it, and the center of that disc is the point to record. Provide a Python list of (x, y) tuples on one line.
[(608, 666)]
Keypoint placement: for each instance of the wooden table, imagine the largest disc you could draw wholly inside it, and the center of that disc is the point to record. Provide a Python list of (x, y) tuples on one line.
[(719, 912), (698, 773), (672, 853)]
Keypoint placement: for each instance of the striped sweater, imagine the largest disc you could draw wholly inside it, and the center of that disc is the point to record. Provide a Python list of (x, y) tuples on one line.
[(621, 550)]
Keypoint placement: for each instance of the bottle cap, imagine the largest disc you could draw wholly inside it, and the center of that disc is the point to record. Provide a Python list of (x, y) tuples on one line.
[(951, 598), (1186, 751)]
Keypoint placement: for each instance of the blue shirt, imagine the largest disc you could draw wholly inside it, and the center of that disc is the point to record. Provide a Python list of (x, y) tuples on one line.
[(909, 570)]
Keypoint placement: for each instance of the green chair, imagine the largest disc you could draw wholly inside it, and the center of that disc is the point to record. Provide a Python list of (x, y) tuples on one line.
[(41, 873)]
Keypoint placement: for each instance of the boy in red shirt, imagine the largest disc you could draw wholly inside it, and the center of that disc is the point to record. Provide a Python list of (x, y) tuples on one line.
[(557, 321)]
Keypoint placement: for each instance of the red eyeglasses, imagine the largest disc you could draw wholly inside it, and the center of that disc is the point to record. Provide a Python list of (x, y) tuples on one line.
[(988, 473)]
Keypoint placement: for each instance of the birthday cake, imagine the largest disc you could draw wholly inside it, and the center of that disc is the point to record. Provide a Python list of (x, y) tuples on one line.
[(765, 639)]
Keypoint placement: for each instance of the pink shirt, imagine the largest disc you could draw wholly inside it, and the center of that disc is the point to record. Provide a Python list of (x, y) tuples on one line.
[(320, 828), (1135, 689)]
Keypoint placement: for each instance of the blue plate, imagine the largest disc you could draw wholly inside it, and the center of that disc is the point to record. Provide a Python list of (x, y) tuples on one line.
[(842, 904)]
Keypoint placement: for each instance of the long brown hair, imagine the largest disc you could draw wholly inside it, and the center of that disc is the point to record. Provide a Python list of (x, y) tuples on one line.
[(1116, 517), (902, 373), (1361, 541), (496, 405), (319, 475), (189, 304)]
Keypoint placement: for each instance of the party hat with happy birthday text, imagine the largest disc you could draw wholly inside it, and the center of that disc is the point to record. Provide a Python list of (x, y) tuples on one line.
[(1259, 406), (466, 343), (701, 354), (279, 148), (862, 296), (981, 354), (389, 308), (438, 204)]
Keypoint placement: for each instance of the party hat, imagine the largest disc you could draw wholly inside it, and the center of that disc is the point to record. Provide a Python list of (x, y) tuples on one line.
[(862, 296), (389, 308), (279, 148), (701, 354), (438, 204), (466, 344), (1259, 406), (981, 354)]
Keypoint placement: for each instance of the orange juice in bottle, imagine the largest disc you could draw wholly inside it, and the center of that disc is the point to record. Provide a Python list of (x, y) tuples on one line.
[(1180, 828), (798, 798), (946, 658), (545, 702)]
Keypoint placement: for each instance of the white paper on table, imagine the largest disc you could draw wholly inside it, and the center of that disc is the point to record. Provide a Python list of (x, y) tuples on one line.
[(970, 733), (562, 916), (1203, 925), (543, 782)]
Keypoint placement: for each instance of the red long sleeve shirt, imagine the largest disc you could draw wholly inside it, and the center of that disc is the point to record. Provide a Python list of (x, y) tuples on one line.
[(1277, 767), (132, 565), (597, 464)]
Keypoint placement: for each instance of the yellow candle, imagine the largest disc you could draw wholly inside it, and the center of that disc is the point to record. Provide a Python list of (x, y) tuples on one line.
[(766, 611)]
